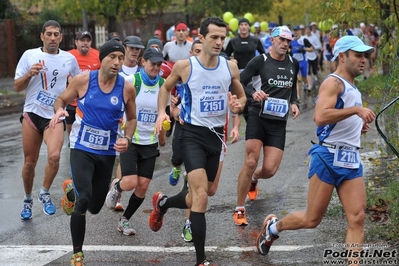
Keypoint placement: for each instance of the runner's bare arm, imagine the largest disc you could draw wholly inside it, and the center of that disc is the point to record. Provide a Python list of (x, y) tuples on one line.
[(130, 98)]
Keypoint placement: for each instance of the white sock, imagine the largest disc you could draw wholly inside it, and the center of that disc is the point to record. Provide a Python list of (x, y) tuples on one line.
[(273, 229), (28, 197), (43, 190), (240, 207)]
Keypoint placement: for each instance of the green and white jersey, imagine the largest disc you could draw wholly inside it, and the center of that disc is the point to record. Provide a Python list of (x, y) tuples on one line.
[(146, 110)]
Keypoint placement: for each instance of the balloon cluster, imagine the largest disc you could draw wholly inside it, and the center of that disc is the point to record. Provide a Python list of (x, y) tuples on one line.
[(325, 24), (229, 18)]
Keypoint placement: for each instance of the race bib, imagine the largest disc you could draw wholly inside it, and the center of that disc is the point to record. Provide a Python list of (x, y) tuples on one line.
[(212, 105), (96, 139), (46, 99), (145, 116), (346, 156), (275, 107)]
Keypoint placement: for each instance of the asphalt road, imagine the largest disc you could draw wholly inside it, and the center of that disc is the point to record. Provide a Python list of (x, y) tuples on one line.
[(46, 240)]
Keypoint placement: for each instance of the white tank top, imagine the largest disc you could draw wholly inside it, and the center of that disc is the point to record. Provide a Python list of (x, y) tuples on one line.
[(348, 130), (204, 95)]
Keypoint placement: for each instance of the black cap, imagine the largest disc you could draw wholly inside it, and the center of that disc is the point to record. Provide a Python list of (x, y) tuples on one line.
[(82, 34), (114, 35), (242, 20), (109, 47), (153, 54), (133, 41)]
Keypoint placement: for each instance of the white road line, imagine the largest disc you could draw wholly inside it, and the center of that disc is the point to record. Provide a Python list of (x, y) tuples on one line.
[(35, 255)]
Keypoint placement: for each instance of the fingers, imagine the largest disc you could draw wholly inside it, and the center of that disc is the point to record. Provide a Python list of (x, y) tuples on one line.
[(35, 69)]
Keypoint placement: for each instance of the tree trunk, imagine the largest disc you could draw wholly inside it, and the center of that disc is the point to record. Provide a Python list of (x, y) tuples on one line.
[(112, 24), (385, 13)]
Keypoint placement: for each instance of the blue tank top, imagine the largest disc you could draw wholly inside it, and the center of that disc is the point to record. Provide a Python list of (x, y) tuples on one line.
[(296, 46), (98, 115)]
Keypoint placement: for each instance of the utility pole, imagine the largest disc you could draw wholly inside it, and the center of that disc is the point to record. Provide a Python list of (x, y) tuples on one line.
[(84, 17)]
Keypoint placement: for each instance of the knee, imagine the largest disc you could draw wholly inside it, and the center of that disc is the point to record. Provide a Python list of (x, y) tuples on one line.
[(54, 158), (128, 184), (30, 165), (251, 163), (268, 172), (202, 198), (356, 219), (81, 205)]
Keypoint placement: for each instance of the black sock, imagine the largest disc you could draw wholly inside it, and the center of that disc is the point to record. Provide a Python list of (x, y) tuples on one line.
[(118, 187), (71, 195), (78, 230), (198, 229), (134, 204), (178, 201)]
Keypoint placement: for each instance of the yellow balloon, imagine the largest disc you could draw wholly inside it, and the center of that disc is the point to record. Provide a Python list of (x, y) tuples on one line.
[(250, 17), (253, 29), (329, 23), (227, 16), (233, 24), (320, 26), (264, 26)]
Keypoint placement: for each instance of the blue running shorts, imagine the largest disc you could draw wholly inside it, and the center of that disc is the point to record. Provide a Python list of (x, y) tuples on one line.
[(321, 164)]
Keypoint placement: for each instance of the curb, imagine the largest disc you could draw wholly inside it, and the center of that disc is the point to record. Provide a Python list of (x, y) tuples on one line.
[(11, 103)]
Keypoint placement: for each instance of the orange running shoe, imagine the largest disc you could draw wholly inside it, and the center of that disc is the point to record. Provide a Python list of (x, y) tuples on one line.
[(240, 217), (156, 217), (68, 205), (253, 190)]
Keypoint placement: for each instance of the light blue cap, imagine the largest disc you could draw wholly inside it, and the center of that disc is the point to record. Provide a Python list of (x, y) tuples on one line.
[(350, 42), (283, 32)]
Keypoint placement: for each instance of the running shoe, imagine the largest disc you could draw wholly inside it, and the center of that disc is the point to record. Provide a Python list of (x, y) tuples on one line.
[(125, 227), (265, 239), (68, 200), (119, 207), (187, 234), (240, 217), (78, 259), (26, 212), (253, 190), (185, 184), (48, 206), (174, 176), (206, 263), (113, 195), (156, 217)]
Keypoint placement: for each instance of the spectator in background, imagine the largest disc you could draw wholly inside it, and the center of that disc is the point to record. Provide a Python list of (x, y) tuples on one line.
[(316, 32), (178, 49), (158, 34), (302, 29), (133, 46), (258, 33), (312, 57), (194, 35), (266, 41), (114, 35), (345, 29)]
